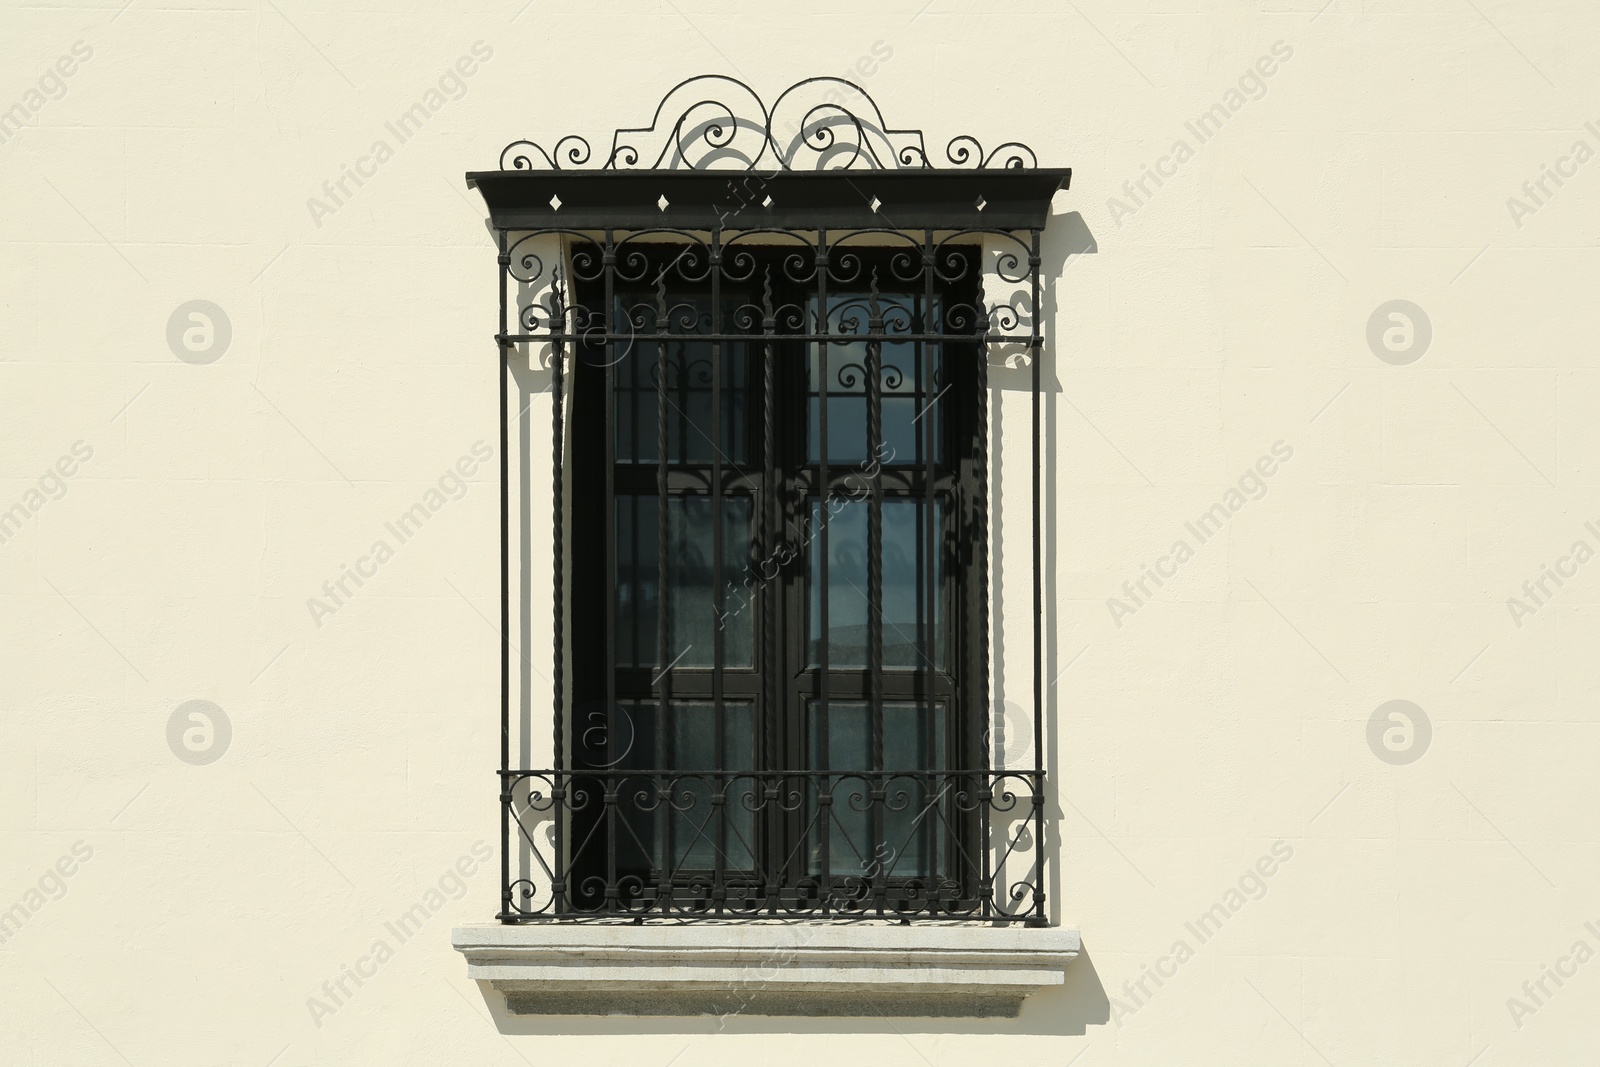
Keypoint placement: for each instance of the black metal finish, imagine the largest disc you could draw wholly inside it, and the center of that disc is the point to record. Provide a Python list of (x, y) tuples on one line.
[(746, 799), (714, 122), (867, 888), (703, 200)]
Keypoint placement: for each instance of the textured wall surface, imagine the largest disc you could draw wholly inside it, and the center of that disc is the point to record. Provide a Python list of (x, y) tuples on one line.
[(1271, 863)]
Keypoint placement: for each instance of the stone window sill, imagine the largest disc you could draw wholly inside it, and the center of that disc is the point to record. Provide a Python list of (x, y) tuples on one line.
[(835, 969)]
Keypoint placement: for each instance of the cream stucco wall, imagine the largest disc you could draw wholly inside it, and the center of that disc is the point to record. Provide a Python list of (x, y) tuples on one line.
[(177, 514)]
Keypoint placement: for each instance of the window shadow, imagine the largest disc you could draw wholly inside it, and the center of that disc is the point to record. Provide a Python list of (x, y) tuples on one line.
[(1067, 238)]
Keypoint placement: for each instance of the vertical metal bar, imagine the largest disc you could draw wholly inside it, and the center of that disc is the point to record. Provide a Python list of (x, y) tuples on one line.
[(1035, 357), (608, 260), (929, 356), (874, 384), (557, 491), (558, 399), (663, 529), (824, 782), (771, 523), (506, 784), (718, 651), (980, 518)]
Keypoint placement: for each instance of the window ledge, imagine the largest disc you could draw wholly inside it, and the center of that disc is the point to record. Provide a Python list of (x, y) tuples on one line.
[(854, 969)]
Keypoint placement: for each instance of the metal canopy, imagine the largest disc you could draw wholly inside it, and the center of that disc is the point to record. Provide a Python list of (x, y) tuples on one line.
[(918, 199)]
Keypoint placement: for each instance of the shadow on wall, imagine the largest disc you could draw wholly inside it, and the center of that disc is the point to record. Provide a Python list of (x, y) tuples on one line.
[(1067, 237), (1065, 1011), (1071, 237)]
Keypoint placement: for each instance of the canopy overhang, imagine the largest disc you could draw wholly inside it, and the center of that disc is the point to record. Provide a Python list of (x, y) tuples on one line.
[(920, 199)]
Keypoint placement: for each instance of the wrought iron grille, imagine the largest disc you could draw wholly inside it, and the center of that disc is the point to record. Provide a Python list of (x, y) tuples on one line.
[(770, 537)]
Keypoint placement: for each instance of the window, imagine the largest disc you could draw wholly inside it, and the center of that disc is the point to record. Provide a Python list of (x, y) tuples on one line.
[(773, 680), (784, 721)]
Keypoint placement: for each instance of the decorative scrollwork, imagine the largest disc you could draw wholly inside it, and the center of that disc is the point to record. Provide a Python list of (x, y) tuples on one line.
[(851, 377), (680, 845), (1013, 155), (572, 147), (852, 318), (714, 122)]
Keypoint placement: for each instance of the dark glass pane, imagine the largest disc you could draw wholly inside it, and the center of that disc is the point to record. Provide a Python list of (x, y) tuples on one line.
[(904, 833), (672, 822), (904, 612), (910, 374), (691, 580), (688, 385), (913, 737)]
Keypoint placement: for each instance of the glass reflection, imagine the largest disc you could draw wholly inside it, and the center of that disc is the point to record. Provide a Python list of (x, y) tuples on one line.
[(692, 617), (904, 612)]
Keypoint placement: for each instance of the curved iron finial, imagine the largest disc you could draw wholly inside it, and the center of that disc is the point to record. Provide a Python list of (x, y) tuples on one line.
[(714, 122)]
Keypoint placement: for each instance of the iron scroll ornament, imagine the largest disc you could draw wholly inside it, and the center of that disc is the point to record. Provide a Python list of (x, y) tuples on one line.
[(714, 122)]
